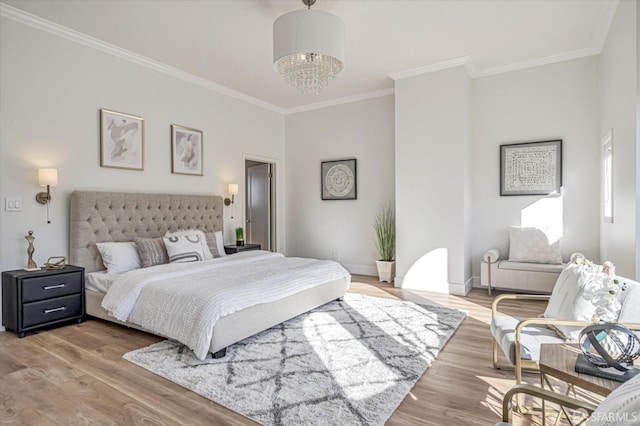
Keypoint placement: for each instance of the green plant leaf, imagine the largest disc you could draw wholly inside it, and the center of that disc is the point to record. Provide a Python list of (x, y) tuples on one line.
[(384, 224)]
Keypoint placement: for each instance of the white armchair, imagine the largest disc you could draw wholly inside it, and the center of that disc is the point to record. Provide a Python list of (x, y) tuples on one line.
[(568, 311)]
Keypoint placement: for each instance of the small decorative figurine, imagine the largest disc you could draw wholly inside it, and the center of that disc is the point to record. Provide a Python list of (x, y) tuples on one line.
[(31, 265), (55, 262)]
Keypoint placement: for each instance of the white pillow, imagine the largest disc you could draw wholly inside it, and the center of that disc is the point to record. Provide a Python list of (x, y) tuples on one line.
[(203, 240), (567, 302), (584, 291), (184, 248), (119, 257), (532, 245)]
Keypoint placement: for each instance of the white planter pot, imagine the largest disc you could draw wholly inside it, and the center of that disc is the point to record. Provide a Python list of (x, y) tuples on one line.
[(386, 270)]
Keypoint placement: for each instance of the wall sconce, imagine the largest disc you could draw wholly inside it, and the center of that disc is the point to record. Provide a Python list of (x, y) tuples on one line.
[(48, 178), (232, 189)]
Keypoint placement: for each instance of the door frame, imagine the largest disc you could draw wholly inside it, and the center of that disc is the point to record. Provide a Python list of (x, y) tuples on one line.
[(275, 167)]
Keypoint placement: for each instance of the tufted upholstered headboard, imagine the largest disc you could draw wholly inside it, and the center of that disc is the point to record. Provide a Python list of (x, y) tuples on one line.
[(119, 216)]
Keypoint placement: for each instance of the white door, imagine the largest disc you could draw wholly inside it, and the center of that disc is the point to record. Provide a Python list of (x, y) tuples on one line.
[(259, 205)]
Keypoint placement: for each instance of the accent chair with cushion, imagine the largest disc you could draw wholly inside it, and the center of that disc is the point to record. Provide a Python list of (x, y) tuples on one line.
[(570, 309)]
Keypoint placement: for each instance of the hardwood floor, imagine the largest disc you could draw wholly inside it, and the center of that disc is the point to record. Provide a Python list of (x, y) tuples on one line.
[(76, 375)]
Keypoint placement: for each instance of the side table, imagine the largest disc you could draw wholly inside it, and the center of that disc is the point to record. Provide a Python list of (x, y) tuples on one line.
[(32, 300), (237, 249), (559, 360)]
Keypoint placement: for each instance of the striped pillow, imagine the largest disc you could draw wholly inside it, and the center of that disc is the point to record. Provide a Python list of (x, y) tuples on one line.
[(215, 243), (152, 251)]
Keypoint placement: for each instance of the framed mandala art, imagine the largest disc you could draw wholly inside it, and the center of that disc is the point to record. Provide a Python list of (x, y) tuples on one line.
[(531, 168), (339, 180)]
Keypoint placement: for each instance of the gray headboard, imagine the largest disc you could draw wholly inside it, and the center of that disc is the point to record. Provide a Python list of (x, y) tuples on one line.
[(119, 216)]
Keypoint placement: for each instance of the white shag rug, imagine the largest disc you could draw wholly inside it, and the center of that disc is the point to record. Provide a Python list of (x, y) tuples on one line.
[(344, 363)]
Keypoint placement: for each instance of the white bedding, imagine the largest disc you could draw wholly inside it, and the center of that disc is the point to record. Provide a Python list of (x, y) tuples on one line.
[(99, 281), (184, 301)]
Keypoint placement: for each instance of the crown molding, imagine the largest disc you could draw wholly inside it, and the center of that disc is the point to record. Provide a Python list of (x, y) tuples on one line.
[(343, 100), (600, 37), (475, 72), (39, 23), (547, 60), (464, 61), (609, 11)]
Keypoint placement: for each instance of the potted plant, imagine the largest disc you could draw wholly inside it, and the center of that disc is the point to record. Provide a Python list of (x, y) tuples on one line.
[(384, 224), (239, 236)]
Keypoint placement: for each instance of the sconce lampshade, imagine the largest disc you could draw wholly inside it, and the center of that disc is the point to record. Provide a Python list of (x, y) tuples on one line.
[(233, 189), (48, 177)]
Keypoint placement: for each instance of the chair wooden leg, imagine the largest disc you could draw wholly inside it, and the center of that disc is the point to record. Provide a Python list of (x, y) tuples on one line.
[(489, 275)]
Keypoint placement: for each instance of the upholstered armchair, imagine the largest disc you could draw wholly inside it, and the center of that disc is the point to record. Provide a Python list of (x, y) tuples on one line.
[(569, 310)]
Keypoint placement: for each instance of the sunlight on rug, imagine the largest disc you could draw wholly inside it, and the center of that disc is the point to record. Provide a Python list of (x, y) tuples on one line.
[(349, 362)]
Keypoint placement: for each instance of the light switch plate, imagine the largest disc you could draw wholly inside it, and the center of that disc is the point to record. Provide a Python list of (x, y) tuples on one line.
[(13, 204)]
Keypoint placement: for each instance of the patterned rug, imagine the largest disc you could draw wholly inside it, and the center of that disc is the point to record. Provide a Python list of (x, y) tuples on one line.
[(344, 363)]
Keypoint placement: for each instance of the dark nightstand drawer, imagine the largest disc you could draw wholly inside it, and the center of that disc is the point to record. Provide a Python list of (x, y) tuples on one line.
[(51, 310), (46, 287)]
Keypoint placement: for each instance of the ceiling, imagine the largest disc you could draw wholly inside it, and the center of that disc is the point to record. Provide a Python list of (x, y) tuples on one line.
[(229, 42)]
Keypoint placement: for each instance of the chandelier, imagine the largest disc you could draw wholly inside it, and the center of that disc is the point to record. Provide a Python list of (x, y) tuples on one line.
[(308, 48)]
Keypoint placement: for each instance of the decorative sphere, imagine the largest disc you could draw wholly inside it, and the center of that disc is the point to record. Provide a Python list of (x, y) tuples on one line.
[(620, 343)]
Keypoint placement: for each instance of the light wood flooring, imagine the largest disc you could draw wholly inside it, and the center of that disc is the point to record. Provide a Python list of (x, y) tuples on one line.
[(76, 375)]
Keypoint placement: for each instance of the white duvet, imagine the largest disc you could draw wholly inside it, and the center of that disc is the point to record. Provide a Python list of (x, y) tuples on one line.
[(183, 301)]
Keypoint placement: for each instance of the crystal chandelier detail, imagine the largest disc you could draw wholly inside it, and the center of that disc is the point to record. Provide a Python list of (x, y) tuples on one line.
[(308, 48)]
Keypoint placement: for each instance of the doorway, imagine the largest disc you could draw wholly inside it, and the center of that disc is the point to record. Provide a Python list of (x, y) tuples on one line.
[(260, 205)]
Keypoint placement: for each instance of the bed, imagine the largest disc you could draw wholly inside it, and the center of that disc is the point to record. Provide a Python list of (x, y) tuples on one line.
[(97, 217)]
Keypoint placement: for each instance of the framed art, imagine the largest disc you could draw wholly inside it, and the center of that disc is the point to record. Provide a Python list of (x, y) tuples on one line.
[(121, 140), (186, 151), (532, 168), (339, 180)]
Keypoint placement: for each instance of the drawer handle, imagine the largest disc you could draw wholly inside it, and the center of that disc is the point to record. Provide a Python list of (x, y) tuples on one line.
[(61, 308), (51, 287)]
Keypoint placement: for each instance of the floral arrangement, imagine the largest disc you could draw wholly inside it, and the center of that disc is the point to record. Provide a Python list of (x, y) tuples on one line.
[(600, 287)]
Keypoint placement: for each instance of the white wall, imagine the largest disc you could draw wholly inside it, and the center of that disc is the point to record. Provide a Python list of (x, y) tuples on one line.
[(558, 101), (618, 74), (637, 139), (52, 91), (363, 130), (432, 137)]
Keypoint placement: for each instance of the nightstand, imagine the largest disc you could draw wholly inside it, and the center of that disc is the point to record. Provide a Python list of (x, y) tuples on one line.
[(237, 249), (32, 300)]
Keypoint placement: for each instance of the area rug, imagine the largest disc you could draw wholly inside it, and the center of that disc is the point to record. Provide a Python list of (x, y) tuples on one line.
[(344, 363)]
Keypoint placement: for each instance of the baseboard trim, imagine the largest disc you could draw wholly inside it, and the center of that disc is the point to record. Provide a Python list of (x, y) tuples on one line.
[(476, 282), (461, 289), (361, 269), (455, 289), (397, 281)]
